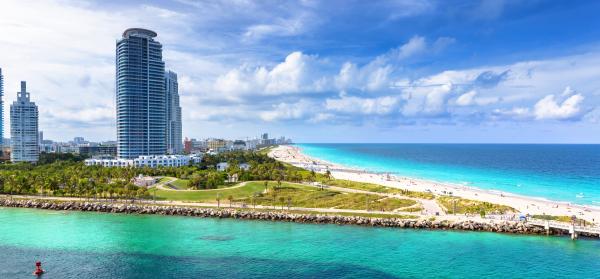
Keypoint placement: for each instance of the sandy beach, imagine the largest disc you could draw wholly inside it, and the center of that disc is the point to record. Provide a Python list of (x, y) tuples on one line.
[(524, 204)]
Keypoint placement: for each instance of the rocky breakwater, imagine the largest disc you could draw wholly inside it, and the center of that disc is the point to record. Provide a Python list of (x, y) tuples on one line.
[(468, 225)]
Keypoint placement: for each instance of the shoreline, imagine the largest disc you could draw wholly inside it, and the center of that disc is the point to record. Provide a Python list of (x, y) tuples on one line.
[(524, 204), (495, 226)]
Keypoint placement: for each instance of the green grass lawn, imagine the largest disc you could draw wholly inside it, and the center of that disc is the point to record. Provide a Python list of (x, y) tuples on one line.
[(312, 197), (180, 184), (209, 195), (377, 188), (165, 179), (301, 196), (470, 206)]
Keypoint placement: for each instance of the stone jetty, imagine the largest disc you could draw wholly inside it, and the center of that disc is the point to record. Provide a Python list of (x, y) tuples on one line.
[(514, 227)]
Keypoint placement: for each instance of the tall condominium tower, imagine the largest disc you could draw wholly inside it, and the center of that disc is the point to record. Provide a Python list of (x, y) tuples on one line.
[(1, 109), (141, 101), (174, 141), (24, 128)]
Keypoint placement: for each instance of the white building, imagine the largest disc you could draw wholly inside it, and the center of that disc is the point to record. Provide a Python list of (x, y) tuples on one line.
[(24, 128), (109, 162), (222, 166), (147, 161)]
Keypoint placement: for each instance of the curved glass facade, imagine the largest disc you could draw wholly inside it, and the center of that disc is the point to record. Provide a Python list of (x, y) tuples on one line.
[(141, 100)]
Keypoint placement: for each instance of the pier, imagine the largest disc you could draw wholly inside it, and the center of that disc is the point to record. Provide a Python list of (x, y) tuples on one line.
[(572, 229)]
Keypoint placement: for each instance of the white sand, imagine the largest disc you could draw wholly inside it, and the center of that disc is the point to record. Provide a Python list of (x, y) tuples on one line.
[(524, 204)]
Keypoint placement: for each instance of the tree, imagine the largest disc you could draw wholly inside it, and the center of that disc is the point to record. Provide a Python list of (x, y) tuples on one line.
[(266, 186), (230, 198), (328, 174), (282, 201)]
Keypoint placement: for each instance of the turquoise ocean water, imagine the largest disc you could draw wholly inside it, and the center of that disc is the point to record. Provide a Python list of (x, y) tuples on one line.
[(553, 171), (98, 245)]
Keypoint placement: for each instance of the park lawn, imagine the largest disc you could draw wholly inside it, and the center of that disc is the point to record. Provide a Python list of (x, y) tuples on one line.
[(312, 197), (377, 188), (470, 206), (210, 195), (165, 179), (180, 184)]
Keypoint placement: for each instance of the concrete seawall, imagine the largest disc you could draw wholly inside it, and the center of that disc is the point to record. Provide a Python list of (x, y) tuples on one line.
[(512, 227)]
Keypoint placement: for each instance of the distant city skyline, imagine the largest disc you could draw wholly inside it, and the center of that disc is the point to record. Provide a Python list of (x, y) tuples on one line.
[(390, 71)]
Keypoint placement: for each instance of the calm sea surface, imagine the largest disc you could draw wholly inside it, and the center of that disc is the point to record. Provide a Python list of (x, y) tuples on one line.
[(558, 172), (97, 245)]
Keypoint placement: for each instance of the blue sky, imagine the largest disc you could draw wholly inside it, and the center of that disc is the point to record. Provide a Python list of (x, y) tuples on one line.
[(322, 71)]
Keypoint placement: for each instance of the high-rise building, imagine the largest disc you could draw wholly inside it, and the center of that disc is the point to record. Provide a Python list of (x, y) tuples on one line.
[(24, 128), (140, 90), (174, 141), (1, 107)]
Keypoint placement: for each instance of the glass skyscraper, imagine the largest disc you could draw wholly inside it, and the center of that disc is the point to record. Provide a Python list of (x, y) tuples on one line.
[(24, 128), (140, 90), (174, 141)]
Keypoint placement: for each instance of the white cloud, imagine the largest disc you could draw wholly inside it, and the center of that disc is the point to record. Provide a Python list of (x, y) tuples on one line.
[(280, 27), (415, 45), (471, 98), (299, 73), (466, 99), (550, 108), (365, 106), (286, 111)]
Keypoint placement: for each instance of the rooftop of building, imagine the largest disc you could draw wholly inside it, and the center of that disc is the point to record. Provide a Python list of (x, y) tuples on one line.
[(139, 32)]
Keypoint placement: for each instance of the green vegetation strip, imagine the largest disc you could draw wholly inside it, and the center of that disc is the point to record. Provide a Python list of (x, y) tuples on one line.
[(180, 184), (210, 195), (377, 188), (297, 195), (462, 206)]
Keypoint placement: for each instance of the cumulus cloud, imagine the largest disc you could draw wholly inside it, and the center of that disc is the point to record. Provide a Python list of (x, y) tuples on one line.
[(551, 108), (296, 74)]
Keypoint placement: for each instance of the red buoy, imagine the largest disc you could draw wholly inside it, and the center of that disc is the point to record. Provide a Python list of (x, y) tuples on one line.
[(38, 269)]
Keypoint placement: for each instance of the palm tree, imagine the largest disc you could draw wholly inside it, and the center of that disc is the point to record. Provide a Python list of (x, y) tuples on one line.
[(289, 202), (328, 174), (282, 200), (266, 186), (218, 200), (230, 198)]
